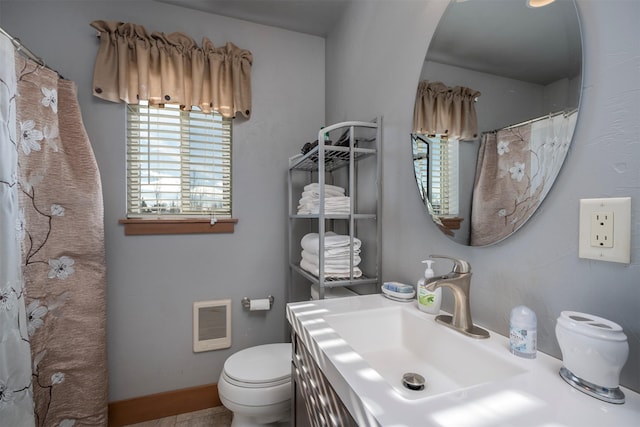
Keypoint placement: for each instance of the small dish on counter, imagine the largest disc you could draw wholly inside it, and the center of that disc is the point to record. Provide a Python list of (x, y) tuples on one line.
[(398, 291)]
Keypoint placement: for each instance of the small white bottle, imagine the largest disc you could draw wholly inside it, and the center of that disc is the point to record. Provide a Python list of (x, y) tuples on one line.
[(428, 301), (523, 332)]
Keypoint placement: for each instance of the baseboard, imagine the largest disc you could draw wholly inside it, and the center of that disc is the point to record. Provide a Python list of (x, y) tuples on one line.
[(167, 404)]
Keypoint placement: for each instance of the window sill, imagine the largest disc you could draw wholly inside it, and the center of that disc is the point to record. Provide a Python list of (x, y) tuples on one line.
[(151, 226), (452, 223)]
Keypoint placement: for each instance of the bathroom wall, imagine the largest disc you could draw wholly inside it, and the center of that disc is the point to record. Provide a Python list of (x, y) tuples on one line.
[(373, 64), (153, 281)]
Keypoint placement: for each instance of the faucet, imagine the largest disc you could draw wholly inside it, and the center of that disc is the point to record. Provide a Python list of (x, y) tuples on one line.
[(459, 281)]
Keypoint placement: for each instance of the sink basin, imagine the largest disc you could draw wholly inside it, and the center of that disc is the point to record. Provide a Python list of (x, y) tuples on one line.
[(400, 339)]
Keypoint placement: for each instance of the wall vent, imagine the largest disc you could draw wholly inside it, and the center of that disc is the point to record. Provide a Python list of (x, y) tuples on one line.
[(211, 325)]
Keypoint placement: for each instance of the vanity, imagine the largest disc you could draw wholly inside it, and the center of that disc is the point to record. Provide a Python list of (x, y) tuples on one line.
[(350, 355)]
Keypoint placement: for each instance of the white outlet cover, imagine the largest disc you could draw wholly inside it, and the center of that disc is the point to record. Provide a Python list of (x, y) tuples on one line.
[(621, 250)]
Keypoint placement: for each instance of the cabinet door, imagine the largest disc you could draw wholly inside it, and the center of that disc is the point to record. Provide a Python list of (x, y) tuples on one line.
[(299, 416), (321, 402)]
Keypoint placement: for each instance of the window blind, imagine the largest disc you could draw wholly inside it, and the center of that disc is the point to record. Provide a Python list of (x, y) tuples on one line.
[(437, 172), (178, 162), (443, 174)]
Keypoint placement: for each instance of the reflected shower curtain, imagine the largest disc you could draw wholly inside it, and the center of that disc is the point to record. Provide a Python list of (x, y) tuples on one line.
[(550, 140), (515, 170), (59, 226), (503, 185)]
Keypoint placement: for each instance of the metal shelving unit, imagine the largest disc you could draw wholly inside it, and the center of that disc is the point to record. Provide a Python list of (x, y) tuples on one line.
[(352, 158)]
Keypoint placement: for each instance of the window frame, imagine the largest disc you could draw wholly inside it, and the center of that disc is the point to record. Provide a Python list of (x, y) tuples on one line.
[(172, 223)]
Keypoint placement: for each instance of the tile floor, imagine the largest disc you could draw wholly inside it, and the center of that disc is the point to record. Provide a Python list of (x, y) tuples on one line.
[(211, 417)]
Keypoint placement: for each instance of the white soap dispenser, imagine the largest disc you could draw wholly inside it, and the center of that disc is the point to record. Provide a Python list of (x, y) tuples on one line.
[(428, 301)]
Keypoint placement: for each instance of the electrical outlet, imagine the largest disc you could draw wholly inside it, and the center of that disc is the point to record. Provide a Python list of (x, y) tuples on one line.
[(602, 229), (605, 229)]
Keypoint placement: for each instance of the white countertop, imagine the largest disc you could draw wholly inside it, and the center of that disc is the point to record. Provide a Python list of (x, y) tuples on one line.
[(538, 397)]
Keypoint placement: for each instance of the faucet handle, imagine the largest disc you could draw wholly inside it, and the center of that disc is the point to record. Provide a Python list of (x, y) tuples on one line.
[(459, 265)]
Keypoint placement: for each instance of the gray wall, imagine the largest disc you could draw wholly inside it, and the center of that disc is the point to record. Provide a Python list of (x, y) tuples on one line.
[(380, 47), (153, 281)]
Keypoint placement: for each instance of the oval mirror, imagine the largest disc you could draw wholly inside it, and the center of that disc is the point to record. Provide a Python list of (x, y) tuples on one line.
[(520, 68)]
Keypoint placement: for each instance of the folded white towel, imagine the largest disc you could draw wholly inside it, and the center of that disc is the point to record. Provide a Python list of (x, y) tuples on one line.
[(307, 210), (315, 187), (332, 205), (329, 201), (333, 254), (333, 243), (316, 194), (331, 272), (337, 253), (331, 260)]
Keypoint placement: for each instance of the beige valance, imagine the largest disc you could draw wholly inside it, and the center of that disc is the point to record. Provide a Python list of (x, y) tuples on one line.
[(132, 65), (440, 109)]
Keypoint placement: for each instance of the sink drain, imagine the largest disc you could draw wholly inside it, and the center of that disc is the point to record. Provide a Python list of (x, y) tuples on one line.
[(413, 381)]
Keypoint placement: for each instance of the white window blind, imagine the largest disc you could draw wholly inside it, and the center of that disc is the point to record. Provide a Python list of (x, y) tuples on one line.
[(178, 162), (443, 175), (438, 174)]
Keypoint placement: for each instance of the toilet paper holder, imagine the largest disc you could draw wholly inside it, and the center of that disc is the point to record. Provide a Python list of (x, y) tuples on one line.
[(246, 302)]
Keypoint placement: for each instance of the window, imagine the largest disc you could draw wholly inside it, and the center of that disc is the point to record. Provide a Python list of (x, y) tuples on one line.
[(436, 170), (178, 164)]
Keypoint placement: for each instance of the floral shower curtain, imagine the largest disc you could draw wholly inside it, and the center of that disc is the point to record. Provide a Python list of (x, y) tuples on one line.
[(16, 403), (503, 185), (59, 227), (515, 169)]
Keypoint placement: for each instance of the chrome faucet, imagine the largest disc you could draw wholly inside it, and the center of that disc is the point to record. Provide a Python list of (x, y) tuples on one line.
[(459, 281)]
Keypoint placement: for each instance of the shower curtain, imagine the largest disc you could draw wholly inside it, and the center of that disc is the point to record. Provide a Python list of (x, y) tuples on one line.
[(16, 403), (59, 227), (515, 170), (502, 196)]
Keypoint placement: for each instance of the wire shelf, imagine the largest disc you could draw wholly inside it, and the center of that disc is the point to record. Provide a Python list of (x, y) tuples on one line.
[(334, 158)]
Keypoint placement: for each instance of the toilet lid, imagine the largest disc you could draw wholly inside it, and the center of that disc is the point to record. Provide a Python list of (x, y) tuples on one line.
[(260, 364)]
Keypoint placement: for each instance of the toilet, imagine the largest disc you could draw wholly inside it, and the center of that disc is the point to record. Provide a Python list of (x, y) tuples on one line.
[(255, 384)]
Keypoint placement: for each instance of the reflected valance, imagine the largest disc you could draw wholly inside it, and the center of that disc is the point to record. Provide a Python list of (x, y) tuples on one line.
[(133, 65), (440, 109)]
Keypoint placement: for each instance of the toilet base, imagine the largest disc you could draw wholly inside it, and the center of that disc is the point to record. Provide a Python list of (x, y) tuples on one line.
[(274, 415)]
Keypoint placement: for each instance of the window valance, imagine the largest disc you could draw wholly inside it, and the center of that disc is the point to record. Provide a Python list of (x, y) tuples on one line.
[(133, 65), (440, 109)]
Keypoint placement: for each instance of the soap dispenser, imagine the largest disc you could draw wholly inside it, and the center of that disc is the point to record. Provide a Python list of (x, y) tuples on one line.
[(428, 301)]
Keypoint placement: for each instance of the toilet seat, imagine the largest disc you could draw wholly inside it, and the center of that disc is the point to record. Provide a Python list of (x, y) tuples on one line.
[(257, 377), (261, 366)]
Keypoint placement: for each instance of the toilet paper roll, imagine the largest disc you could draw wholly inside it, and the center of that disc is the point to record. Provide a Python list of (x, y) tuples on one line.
[(259, 304)]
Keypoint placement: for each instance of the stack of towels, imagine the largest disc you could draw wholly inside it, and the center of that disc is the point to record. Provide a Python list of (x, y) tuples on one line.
[(335, 202), (337, 252)]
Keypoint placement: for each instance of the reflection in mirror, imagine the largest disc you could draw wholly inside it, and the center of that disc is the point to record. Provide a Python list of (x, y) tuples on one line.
[(522, 67), (435, 164)]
